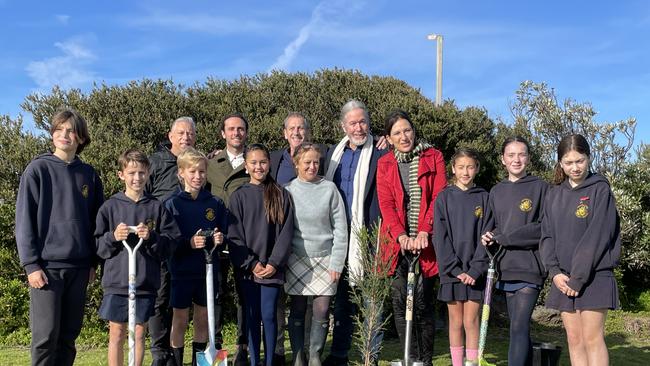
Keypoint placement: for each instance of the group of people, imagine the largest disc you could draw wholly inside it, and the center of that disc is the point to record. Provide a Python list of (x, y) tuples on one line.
[(285, 221)]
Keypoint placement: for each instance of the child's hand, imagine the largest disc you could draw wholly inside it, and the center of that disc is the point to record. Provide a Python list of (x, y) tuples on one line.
[(37, 279), (217, 237), (487, 239), (143, 231), (259, 267), (561, 282), (267, 272), (466, 279), (121, 232), (197, 241)]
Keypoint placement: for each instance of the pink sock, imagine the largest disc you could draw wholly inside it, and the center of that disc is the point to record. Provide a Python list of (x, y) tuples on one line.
[(457, 355), (472, 354)]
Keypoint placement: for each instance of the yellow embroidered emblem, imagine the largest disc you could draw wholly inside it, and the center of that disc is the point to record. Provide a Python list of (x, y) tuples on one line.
[(582, 211), (151, 224), (209, 214), (85, 190), (526, 205), (478, 211)]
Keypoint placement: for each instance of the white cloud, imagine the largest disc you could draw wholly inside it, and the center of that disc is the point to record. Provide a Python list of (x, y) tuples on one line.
[(325, 9), (62, 18), (67, 71)]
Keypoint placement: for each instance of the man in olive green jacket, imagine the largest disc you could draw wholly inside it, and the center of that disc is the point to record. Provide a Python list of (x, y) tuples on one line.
[(226, 173)]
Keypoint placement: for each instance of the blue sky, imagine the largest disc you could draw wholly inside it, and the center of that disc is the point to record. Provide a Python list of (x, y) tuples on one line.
[(596, 51)]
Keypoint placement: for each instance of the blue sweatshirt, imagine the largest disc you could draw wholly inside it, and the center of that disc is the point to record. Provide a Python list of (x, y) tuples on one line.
[(162, 236), (204, 212), (514, 216), (581, 232), (55, 214), (458, 219), (252, 239)]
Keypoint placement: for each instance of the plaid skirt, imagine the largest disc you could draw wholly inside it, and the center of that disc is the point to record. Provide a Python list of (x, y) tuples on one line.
[(307, 276)]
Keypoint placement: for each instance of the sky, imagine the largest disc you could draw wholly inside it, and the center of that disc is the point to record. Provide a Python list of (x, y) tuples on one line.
[(590, 51)]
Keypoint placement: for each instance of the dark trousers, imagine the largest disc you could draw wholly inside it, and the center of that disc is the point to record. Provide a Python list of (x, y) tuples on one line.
[(261, 307), (160, 324), (56, 315), (224, 266), (344, 311), (282, 322), (423, 329)]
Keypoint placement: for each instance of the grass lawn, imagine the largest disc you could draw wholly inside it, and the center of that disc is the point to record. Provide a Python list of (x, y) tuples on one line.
[(628, 340)]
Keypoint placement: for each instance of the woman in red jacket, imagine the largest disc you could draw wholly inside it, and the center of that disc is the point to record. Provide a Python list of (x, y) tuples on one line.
[(408, 181)]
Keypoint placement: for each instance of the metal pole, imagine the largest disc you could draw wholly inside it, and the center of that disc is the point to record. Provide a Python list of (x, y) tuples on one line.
[(439, 72), (438, 39)]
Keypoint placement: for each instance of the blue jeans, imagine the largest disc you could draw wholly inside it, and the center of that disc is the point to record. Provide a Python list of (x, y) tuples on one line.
[(261, 306)]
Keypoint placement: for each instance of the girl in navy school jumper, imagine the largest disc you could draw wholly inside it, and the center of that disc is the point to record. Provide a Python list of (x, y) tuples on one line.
[(581, 245), (58, 199), (194, 209), (157, 229), (514, 222), (462, 261), (259, 236)]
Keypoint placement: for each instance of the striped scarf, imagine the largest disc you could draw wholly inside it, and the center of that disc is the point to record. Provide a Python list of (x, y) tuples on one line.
[(415, 192)]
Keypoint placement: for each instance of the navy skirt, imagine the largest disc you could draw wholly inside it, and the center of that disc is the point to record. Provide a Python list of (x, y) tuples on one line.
[(458, 291), (115, 308), (600, 293)]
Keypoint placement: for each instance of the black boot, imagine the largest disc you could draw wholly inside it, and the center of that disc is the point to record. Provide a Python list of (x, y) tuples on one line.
[(197, 347), (317, 338), (178, 355), (296, 328)]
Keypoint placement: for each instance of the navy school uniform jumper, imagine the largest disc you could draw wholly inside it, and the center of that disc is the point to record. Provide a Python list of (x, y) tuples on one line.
[(458, 219), (56, 207), (162, 237), (252, 240), (581, 238), (514, 216), (204, 212)]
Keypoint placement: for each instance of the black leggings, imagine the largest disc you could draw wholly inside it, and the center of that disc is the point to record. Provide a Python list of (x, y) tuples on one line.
[(520, 309)]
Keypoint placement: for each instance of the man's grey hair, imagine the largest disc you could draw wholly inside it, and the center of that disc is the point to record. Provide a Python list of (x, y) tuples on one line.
[(299, 115), (189, 120), (351, 105)]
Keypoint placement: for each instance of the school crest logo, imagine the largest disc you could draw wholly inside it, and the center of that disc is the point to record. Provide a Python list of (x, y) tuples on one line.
[(526, 205), (209, 214), (582, 210), (150, 224), (478, 211), (85, 190)]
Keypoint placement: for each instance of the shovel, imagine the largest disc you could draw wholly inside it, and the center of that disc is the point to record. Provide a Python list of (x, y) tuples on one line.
[(132, 272), (412, 260), (210, 357), (487, 299)]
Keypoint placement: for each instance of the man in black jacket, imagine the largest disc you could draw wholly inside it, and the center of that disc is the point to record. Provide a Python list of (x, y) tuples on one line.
[(163, 182)]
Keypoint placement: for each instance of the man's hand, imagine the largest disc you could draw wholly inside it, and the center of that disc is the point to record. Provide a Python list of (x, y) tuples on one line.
[(121, 232), (487, 239), (142, 231), (197, 241)]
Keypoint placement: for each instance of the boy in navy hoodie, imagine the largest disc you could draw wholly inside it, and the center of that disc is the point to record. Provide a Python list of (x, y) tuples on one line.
[(195, 209), (158, 230), (57, 201)]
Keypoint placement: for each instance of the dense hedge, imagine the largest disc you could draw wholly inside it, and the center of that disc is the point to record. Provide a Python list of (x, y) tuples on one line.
[(139, 115)]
